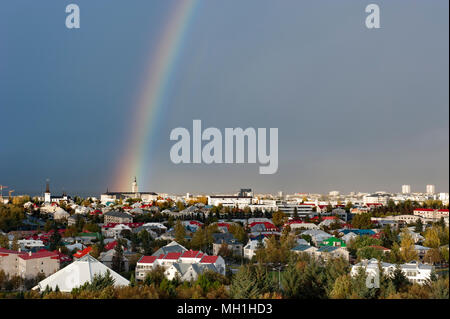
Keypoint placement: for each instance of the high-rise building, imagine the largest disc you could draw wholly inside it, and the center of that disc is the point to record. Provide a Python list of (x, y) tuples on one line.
[(406, 189), (334, 193), (430, 189)]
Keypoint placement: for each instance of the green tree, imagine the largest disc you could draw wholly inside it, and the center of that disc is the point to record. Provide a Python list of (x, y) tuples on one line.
[(295, 215), (369, 253), (243, 285), (362, 221), (348, 206), (418, 228), (399, 279), (98, 283), (290, 282), (55, 239), (117, 263), (180, 232)]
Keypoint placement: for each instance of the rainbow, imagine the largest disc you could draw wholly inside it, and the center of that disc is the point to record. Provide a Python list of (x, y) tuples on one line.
[(133, 162)]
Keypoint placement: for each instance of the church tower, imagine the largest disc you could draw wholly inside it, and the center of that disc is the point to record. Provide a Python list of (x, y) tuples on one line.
[(134, 186), (47, 195)]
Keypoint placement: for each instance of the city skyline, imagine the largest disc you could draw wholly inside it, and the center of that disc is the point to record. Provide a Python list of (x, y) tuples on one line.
[(59, 190), (356, 109)]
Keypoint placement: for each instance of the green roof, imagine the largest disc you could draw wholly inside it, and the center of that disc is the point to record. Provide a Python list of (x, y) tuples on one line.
[(331, 242)]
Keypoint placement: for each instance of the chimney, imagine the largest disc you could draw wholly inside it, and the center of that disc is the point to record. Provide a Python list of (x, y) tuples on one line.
[(20, 249), (29, 253), (59, 249)]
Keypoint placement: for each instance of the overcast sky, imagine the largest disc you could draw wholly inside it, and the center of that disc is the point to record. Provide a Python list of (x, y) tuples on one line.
[(356, 109)]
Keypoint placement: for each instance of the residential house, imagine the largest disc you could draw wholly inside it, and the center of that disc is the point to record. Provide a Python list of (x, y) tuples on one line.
[(317, 235), (349, 237), (252, 246), (106, 258), (307, 249), (334, 242), (171, 247), (414, 271), (330, 252), (226, 239), (178, 263), (117, 217)]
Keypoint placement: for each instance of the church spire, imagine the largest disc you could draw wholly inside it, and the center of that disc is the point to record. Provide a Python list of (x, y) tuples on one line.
[(134, 186), (47, 188)]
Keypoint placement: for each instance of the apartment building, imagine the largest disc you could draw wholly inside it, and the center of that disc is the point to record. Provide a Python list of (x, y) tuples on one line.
[(27, 264)]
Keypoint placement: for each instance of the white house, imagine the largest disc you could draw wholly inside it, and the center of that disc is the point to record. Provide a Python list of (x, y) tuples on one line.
[(252, 246), (60, 214), (348, 237), (415, 272)]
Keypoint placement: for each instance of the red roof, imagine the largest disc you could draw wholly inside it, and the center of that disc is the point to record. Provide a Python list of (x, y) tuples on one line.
[(172, 255), (62, 257), (111, 245), (443, 210), (424, 210), (266, 224), (324, 218), (5, 252), (83, 252), (40, 254), (209, 259), (147, 259), (190, 254)]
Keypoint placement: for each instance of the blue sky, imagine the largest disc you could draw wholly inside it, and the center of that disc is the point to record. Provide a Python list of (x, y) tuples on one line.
[(357, 109)]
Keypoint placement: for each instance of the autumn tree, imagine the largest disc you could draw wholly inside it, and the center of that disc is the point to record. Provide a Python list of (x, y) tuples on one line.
[(407, 250), (4, 241), (342, 288), (279, 218), (238, 232), (432, 238)]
